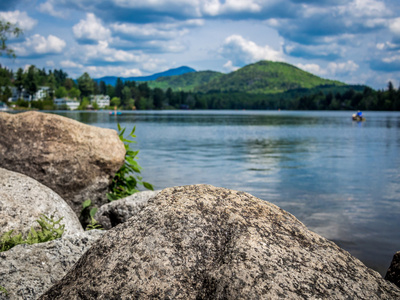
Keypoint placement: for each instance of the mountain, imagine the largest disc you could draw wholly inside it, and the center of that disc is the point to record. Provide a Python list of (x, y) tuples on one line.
[(265, 77), (171, 72), (186, 82)]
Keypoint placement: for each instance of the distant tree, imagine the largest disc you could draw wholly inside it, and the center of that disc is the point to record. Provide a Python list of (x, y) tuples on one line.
[(96, 88), (102, 88), (68, 83), (60, 76), (144, 90), (119, 86), (7, 29), (31, 80), (115, 101), (126, 96), (19, 80), (61, 92), (158, 97), (110, 91), (6, 94), (51, 83), (85, 84), (74, 93)]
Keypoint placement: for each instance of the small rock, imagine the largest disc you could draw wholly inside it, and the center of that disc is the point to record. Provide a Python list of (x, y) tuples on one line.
[(119, 211), (27, 271)]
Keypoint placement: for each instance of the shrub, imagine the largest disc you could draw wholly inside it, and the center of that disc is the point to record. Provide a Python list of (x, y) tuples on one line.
[(127, 179)]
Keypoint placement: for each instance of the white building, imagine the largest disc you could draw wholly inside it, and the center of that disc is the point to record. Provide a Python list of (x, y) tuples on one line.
[(66, 103), (101, 100), (41, 94)]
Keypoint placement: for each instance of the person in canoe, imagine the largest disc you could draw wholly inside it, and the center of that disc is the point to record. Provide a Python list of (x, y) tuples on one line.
[(358, 116)]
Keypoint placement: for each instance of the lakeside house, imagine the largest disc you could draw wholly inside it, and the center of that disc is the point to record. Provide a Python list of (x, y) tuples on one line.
[(101, 100), (16, 94), (66, 103)]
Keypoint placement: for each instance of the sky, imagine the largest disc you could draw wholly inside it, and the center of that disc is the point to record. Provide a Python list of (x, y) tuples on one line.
[(354, 41)]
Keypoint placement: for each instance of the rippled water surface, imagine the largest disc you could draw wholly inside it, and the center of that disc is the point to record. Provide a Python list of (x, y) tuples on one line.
[(340, 178)]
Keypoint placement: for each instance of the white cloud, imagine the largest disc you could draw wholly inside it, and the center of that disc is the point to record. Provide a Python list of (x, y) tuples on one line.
[(241, 51), (91, 29), (70, 64), (395, 27), (366, 8), (312, 68), (103, 53), (215, 7), (131, 73), (39, 45), (21, 19), (342, 68), (147, 31), (230, 67), (392, 59), (160, 31), (48, 8)]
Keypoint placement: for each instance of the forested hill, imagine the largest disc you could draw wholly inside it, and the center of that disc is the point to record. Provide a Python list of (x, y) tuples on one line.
[(171, 72), (264, 77), (188, 82)]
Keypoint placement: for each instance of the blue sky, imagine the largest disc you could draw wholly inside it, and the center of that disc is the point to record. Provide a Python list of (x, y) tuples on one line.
[(356, 41)]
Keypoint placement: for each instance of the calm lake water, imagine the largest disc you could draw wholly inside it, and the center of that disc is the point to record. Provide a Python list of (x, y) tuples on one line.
[(340, 178)]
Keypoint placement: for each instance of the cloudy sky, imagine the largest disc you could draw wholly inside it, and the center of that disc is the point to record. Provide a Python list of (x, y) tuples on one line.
[(355, 41)]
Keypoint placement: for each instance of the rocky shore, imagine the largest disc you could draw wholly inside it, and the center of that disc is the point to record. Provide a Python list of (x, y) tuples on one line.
[(190, 242)]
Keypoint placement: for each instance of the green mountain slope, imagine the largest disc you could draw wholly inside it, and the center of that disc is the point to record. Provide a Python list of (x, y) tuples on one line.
[(186, 82), (265, 77)]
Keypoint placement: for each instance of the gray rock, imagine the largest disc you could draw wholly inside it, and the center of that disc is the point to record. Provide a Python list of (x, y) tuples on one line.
[(75, 160), (23, 200), (27, 271), (119, 211), (202, 242), (393, 273)]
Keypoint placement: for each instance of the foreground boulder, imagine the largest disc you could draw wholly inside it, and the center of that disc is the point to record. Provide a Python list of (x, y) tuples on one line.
[(27, 271), (202, 242), (393, 273), (75, 160), (23, 200), (119, 211)]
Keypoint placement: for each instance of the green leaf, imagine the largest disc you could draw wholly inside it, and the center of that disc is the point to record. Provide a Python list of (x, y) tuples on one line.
[(93, 211), (148, 186), (86, 203), (133, 131)]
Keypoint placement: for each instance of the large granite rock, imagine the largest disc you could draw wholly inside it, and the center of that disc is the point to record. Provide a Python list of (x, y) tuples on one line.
[(75, 160), (27, 271), (119, 211), (202, 242), (23, 200), (393, 273)]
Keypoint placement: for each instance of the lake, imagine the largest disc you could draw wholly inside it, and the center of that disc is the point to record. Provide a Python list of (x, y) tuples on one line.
[(339, 177)]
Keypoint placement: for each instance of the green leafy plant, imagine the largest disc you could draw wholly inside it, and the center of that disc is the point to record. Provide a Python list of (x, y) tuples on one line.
[(3, 290), (127, 179), (50, 229), (87, 216)]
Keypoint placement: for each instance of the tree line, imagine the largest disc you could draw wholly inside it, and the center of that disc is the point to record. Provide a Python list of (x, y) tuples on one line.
[(138, 95)]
